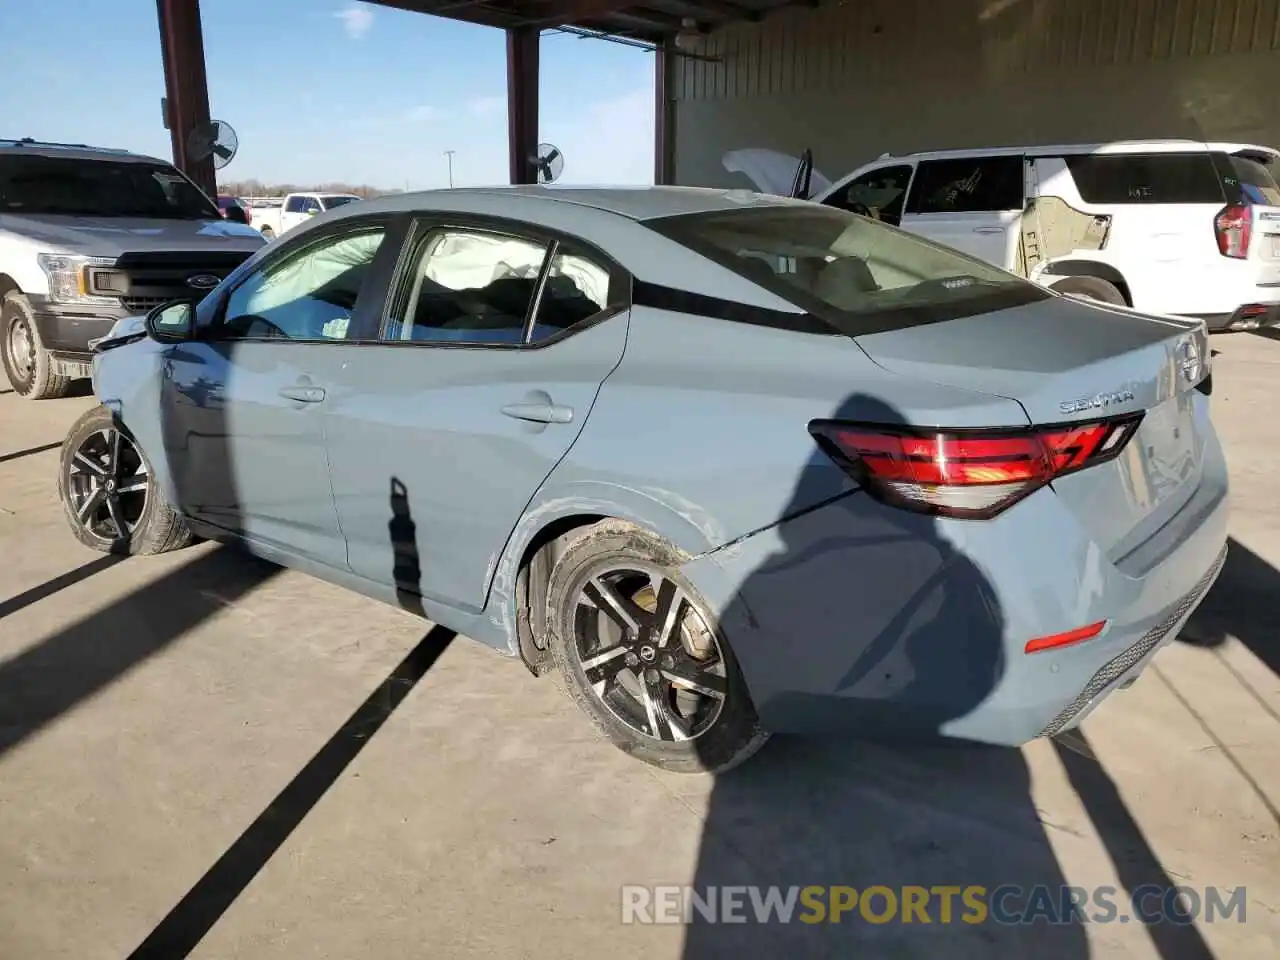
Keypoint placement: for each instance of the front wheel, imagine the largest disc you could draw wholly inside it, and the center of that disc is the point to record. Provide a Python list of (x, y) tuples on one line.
[(28, 365), (643, 656), (1091, 288), (108, 492)]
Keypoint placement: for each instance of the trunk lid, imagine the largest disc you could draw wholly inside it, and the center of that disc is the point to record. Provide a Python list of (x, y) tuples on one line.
[(1066, 361)]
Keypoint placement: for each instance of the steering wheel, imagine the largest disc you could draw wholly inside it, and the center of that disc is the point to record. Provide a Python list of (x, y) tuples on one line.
[(861, 209), (252, 325)]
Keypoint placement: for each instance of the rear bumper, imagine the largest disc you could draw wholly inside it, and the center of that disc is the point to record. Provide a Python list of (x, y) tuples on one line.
[(1249, 316), (862, 619)]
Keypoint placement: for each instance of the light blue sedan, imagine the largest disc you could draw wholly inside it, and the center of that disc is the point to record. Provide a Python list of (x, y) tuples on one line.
[(732, 464)]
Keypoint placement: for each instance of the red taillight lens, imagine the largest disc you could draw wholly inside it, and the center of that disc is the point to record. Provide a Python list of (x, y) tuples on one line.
[(973, 474), (1234, 227)]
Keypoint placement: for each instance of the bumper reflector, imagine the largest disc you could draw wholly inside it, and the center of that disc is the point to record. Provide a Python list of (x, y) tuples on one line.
[(1057, 640)]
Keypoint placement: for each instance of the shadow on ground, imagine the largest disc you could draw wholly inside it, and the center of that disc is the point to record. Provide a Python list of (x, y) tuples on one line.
[(45, 681), (1242, 604)]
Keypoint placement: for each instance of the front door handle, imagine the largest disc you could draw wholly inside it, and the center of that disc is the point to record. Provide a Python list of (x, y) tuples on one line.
[(988, 229), (539, 412), (303, 394)]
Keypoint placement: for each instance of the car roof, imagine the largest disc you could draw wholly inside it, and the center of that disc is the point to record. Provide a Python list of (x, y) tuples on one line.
[(1057, 149), (634, 203), (72, 151)]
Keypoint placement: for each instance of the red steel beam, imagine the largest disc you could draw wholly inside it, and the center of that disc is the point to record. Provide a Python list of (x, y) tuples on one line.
[(185, 85), (522, 103), (663, 116)]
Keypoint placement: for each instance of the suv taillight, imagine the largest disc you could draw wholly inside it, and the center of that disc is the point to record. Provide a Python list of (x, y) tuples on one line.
[(1234, 227), (973, 474)]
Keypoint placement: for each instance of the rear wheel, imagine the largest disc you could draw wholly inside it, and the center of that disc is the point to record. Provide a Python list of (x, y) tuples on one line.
[(643, 656), (28, 365), (108, 494), (1092, 288)]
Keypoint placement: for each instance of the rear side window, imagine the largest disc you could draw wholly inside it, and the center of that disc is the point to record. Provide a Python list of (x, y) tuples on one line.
[(1146, 178), (967, 185)]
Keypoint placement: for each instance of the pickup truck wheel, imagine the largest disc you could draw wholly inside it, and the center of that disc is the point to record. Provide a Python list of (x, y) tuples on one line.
[(26, 361), (1091, 288)]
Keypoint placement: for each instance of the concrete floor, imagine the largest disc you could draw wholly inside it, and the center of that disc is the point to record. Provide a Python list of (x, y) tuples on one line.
[(186, 765)]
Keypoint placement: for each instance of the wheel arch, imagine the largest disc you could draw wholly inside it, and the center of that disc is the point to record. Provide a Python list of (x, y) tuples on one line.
[(8, 285), (1079, 267), (517, 590)]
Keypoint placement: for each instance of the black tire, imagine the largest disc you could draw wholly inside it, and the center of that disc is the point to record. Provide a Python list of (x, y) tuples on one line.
[(27, 363), (722, 730), (1093, 288), (149, 525)]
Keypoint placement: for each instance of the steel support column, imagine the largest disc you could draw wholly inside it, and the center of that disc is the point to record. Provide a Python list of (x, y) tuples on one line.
[(664, 167), (185, 86), (522, 103)]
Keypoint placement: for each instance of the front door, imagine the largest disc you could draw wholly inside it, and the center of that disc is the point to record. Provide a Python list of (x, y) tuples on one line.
[(971, 204), (492, 353), (244, 406)]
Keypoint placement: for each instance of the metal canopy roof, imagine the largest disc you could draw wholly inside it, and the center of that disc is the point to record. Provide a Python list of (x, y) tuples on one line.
[(646, 20)]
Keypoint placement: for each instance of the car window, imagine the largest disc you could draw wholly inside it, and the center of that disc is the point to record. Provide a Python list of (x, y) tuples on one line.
[(469, 286), (33, 184), (1137, 178), (967, 185), (879, 193), (293, 205), (310, 205), (310, 295), (331, 202), (577, 288), (857, 274), (1249, 181)]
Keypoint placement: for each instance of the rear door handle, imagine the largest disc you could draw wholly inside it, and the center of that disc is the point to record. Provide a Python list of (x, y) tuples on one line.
[(988, 229), (303, 394), (539, 412)]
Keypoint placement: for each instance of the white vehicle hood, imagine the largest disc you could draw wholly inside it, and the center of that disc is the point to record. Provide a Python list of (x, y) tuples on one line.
[(113, 236), (772, 171)]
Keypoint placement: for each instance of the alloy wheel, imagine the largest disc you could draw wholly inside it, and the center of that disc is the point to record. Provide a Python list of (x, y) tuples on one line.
[(648, 653), (108, 485)]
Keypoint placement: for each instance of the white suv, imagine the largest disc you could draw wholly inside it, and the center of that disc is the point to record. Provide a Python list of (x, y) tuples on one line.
[(1165, 226)]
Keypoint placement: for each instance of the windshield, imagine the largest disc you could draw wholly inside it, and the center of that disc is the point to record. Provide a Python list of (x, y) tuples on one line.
[(860, 275), (35, 184), (330, 202)]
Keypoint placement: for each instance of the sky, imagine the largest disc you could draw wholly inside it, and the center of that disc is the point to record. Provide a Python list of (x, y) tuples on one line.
[(327, 90)]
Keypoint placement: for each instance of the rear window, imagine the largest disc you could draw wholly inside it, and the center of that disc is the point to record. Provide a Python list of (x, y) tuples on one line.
[(858, 274), (1146, 178), (1254, 181)]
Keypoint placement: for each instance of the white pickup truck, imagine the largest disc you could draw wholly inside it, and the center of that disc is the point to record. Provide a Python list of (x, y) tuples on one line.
[(294, 209)]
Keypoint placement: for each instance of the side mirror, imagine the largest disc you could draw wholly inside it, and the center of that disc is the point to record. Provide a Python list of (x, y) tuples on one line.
[(172, 322), (236, 215)]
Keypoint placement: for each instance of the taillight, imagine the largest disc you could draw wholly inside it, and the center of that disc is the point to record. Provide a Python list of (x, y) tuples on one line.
[(973, 474), (1233, 227)]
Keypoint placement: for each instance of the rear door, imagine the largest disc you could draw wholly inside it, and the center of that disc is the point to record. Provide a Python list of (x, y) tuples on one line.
[(972, 204), (493, 347)]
